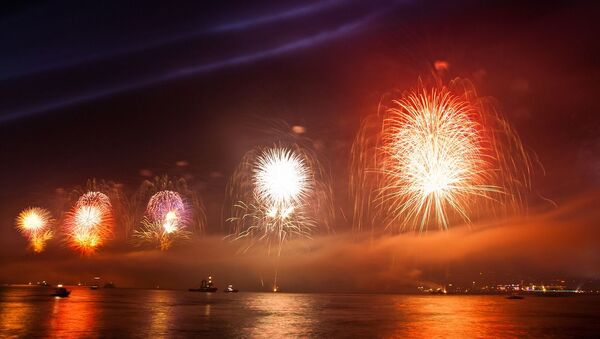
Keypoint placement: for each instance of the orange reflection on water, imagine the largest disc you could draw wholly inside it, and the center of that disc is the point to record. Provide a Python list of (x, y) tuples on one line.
[(282, 315), (74, 316), (160, 311), (452, 317), (15, 317)]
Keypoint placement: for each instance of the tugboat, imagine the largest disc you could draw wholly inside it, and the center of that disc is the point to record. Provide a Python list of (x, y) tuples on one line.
[(230, 289), (206, 286), (61, 292)]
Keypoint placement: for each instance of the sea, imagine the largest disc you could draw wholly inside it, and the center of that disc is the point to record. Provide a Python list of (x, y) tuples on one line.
[(135, 313)]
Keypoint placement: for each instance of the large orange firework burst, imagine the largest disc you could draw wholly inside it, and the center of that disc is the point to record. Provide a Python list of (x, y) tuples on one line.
[(35, 224), (277, 193), (166, 220), (437, 155), (90, 223)]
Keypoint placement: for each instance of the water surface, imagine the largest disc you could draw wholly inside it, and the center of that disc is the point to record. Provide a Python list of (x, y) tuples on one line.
[(30, 312)]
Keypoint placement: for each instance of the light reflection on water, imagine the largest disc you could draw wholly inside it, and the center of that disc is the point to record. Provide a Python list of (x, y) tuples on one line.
[(27, 312), (160, 315), (453, 316), (281, 315), (16, 317), (77, 316)]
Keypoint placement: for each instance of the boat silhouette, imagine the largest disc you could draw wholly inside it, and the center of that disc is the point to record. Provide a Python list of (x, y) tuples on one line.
[(61, 292), (205, 286)]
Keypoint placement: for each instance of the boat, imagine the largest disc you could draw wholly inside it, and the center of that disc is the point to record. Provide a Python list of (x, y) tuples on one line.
[(61, 292), (96, 284), (109, 285), (515, 296), (205, 286), (230, 289)]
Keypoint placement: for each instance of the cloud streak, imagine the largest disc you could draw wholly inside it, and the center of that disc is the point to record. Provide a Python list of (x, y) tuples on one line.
[(557, 243)]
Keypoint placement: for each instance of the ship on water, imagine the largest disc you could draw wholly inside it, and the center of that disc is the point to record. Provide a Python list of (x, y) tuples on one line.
[(230, 289), (61, 292), (96, 284), (205, 286)]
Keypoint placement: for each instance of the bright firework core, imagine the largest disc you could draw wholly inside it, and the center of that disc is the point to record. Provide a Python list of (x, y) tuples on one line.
[(88, 216), (33, 221), (170, 223), (281, 178)]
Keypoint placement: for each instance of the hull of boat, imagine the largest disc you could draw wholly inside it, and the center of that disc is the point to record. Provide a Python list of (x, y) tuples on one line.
[(208, 290), (61, 295)]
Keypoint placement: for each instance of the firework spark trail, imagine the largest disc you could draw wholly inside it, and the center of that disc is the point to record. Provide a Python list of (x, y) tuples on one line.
[(35, 223), (276, 194), (166, 220), (435, 156), (90, 222)]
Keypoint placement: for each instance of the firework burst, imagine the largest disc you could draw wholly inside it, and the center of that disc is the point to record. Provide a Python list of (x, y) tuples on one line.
[(281, 180), (90, 223), (435, 156), (35, 223), (165, 221), (276, 193)]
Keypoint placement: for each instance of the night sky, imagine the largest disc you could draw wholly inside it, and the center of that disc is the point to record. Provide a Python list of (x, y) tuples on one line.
[(121, 92)]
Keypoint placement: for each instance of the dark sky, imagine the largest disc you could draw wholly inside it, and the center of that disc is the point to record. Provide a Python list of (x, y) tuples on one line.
[(109, 89)]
